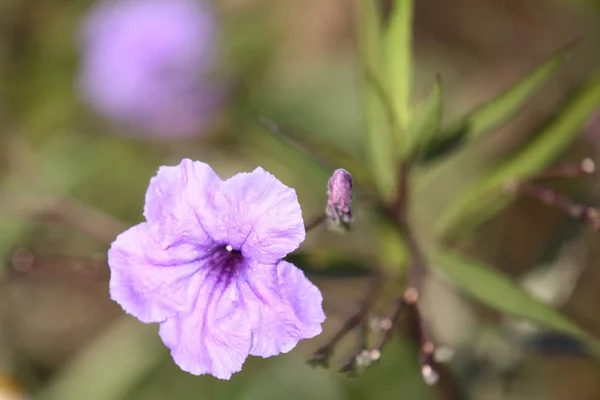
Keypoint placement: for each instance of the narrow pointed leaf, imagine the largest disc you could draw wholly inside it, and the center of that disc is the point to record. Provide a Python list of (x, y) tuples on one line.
[(426, 122), (539, 153), (499, 110), (398, 57), (324, 154), (379, 135), (497, 291)]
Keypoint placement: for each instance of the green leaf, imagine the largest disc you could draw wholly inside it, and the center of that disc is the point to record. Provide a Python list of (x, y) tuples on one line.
[(540, 152), (110, 366), (499, 110), (324, 154), (500, 293), (398, 58), (392, 255), (369, 39), (427, 121), (381, 157), (50, 173)]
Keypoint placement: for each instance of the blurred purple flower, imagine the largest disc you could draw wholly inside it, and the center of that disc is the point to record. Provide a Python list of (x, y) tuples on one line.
[(207, 266), (145, 64)]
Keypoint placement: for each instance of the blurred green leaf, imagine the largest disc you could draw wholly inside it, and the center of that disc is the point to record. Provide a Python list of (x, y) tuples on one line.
[(382, 161), (500, 109), (398, 58), (50, 173), (427, 121), (390, 250), (541, 151), (330, 264), (324, 154), (445, 145), (285, 376), (110, 366), (293, 380), (500, 293), (397, 372)]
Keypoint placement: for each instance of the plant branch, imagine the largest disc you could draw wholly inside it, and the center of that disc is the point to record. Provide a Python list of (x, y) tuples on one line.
[(586, 166), (417, 259), (393, 322), (315, 222), (431, 371), (86, 219), (589, 215), (323, 354)]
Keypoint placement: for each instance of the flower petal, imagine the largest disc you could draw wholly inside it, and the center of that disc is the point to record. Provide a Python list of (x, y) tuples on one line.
[(283, 306), (181, 204), (264, 218), (213, 338), (148, 282)]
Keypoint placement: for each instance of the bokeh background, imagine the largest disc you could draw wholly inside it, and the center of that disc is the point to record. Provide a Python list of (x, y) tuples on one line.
[(91, 104)]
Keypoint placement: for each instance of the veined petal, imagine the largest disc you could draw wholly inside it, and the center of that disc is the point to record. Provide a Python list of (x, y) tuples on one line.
[(214, 337), (283, 307), (182, 204), (264, 218), (149, 282)]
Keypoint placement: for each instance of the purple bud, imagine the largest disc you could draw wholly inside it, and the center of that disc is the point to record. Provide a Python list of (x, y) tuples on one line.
[(339, 192), (145, 64)]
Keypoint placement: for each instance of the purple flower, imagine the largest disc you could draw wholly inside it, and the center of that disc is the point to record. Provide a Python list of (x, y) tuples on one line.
[(207, 266), (145, 64)]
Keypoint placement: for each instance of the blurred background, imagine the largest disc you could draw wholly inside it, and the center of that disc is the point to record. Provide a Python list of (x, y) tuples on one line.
[(95, 96)]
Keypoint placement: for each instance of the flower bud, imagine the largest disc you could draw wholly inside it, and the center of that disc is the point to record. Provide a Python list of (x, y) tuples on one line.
[(339, 193)]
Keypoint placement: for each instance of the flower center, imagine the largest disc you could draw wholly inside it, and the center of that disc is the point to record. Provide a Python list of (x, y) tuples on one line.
[(225, 262)]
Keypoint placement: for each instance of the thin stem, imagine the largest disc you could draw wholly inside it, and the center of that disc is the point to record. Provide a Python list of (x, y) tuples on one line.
[(410, 297), (285, 135), (426, 349), (394, 318), (586, 166), (315, 222), (417, 266), (351, 365), (366, 356), (432, 371), (417, 262), (86, 219), (323, 354), (68, 212), (589, 215)]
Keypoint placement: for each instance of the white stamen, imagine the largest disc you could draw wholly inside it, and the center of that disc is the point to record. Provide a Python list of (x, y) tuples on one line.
[(229, 248)]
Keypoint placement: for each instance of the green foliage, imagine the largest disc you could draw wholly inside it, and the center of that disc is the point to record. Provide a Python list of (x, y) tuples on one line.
[(382, 157), (497, 111), (426, 123), (418, 137), (540, 152), (108, 368), (398, 60), (498, 292), (322, 153)]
